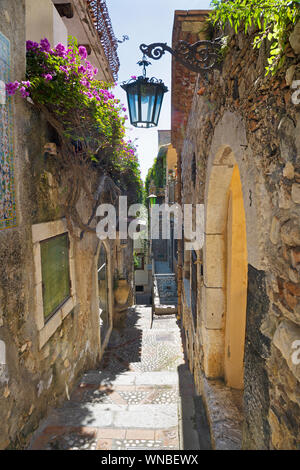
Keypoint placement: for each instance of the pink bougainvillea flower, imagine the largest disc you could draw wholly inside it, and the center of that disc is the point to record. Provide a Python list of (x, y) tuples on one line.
[(31, 45), (12, 87), (133, 77), (45, 45), (61, 50), (23, 92), (82, 52), (48, 77)]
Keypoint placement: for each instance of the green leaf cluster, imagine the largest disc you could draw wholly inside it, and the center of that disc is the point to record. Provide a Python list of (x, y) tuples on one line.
[(157, 173), (272, 20)]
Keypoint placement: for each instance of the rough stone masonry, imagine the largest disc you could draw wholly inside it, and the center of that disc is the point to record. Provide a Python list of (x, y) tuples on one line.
[(242, 114)]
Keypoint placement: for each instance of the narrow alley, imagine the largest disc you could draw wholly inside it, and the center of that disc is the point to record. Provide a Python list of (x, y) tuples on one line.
[(149, 226), (142, 396)]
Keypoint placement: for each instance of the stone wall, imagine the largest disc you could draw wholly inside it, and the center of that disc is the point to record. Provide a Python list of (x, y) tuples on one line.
[(34, 378), (243, 117)]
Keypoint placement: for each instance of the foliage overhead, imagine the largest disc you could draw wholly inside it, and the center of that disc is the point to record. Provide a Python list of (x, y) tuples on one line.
[(273, 20), (157, 173), (87, 116)]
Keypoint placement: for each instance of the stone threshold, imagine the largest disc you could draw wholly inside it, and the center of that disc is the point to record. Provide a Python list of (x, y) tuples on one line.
[(224, 409)]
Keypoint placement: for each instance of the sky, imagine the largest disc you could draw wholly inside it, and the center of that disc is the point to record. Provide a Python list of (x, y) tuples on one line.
[(146, 22)]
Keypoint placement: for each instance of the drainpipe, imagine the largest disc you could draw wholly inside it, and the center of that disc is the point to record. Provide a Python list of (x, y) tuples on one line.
[(180, 242)]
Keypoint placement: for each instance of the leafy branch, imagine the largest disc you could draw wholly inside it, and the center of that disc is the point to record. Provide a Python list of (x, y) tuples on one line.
[(273, 20)]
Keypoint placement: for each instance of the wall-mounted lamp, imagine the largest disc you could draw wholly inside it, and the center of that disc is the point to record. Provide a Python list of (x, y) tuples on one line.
[(145, 95)]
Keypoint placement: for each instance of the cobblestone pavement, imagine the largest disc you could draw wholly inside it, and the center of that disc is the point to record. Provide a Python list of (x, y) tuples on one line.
[(141, 397)]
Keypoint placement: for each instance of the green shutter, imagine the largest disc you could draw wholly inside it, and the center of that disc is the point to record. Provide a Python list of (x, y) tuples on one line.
[(55, 272)]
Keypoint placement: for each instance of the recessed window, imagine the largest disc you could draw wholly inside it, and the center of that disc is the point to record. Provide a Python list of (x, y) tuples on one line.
[(103, 293), (55, 273), (54, 263), (139, 288)]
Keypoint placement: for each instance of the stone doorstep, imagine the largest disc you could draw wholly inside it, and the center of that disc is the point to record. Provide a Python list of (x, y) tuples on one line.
[(105, 437), (131, 378), (165, 309), (224, 418)]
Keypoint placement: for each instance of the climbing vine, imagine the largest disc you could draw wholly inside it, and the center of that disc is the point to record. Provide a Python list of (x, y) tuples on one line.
[(273, 20), (157, 173)]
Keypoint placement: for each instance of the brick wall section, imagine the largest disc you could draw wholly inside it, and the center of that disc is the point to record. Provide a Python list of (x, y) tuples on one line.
[(187, 26)]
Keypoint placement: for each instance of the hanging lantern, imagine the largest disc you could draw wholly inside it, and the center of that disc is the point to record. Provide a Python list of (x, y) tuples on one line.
[(145, 96), (152, 199)]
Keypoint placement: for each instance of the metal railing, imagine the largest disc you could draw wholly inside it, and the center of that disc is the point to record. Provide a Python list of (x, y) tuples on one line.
[(103, 26)]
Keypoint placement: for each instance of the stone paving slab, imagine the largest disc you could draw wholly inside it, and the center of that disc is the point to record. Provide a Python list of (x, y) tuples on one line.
[(147, 416), (132, 400), (103, 415), (157, 378), (88, 438)]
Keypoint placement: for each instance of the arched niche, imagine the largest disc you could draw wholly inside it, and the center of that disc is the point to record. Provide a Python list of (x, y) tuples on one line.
[(225, 271), (103, 273)]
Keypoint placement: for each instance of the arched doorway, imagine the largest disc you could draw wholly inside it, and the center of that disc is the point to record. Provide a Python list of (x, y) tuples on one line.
[(225, 272), (102, 271), (236, 284)]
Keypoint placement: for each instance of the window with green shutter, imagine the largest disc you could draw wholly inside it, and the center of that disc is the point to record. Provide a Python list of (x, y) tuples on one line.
[(55, 273)]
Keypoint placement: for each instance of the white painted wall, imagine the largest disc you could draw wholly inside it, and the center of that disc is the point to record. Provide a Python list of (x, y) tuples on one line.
[(43, 21), (141, 278), (60, 32)]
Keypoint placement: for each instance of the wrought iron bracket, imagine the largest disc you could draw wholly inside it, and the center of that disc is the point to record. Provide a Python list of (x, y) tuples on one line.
[(199, 57)]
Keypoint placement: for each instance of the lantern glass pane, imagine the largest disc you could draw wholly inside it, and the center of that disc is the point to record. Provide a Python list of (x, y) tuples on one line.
[(158, 105), (148, 92), (133, 102)]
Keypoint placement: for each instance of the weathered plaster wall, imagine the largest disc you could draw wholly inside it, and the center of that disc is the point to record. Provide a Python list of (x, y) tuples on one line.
[(33, 379), (243, 117)]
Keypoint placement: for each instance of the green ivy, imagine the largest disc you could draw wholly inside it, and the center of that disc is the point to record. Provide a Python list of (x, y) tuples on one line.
[(157, 173), (273, 20)]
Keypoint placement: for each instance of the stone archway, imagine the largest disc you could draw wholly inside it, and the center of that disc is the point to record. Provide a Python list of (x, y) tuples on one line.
[(103, 292), (225, 272), (236, 285)]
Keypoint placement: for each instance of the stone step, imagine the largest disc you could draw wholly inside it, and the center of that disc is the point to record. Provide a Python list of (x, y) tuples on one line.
[(116, 416), (130, 378)]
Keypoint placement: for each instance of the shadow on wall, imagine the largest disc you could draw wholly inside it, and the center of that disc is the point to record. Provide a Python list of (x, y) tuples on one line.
[(194, 428), (143, 299)]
